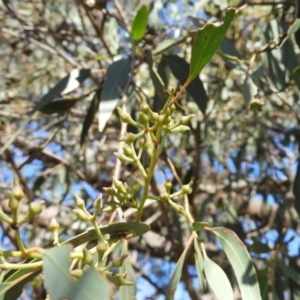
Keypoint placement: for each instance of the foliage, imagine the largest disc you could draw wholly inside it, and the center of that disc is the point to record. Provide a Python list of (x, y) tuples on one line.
[(205, 177)]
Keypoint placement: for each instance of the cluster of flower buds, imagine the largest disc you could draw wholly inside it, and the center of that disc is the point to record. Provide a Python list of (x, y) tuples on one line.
[(123, 194), (167, 196), (82, 213)]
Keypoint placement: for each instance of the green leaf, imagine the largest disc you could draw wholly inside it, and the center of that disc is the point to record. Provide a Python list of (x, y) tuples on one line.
[(258, 247), (180, 69), (116, 78), (60, 285), (199, 259), (177, 273), (217, 280), (139, 24), (121, 228), (88, 120), (240, 261), (127, 292), (206, 42), (56, 263)]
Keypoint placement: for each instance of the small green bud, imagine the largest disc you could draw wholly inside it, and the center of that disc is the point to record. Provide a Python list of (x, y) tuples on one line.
[(79, 202), (128, 152), (143, 118), (126, 117), (87, 257), (118, 261), (172, 108), (186, 189), (145, 108), (153, 116), (186, 119), (54, 224), (142, 143), (13, 203), (35, 208), (119, 185), (76, 273), (180, 128), (123, 158), (168, 185), (80, 215), (164, 196), (129, 138), (17, 192), (119, 279), (98, 204)]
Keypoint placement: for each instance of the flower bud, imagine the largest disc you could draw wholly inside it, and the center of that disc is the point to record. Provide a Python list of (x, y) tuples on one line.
[(98, 204), (76, 273), (80, 215), (145, 108), (110, 191), (87, 257), (186, 119), (118, 261), (13, 203), (35, 208), (129, 138), (178, 208), (126, 117), (180, 128), (164, 196), (119, 185), (143, 118), (79, 202), (54, 224), (135, 187), (168, 186), (17, 192), (153, 116), (123, 158), (128, 152), (187, 188)]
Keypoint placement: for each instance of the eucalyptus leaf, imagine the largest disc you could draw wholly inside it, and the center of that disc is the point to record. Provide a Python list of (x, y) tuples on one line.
[(139, 24), (240, 261), (207, 40)]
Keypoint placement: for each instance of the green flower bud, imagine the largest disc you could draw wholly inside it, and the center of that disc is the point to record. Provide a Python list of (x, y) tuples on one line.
[(186, 119), (187, 188), (118, 261), (126, 117), (80, 215), (17, 192), (142, 143), (98, 203), (180, 128), (35, 208), (110, 208), (145, 108), (13, 203), (143, 118), (119, 280), (87, 257), (128, 152), (123, 158), (129, 138), (164, 196), (53, 224), (76, 273), (168, 186), (153, 116), (119, 185), (79, 202)]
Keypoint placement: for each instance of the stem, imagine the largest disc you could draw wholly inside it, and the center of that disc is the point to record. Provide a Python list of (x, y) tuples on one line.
[(9, 266), (149, 176), (20, 242)]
